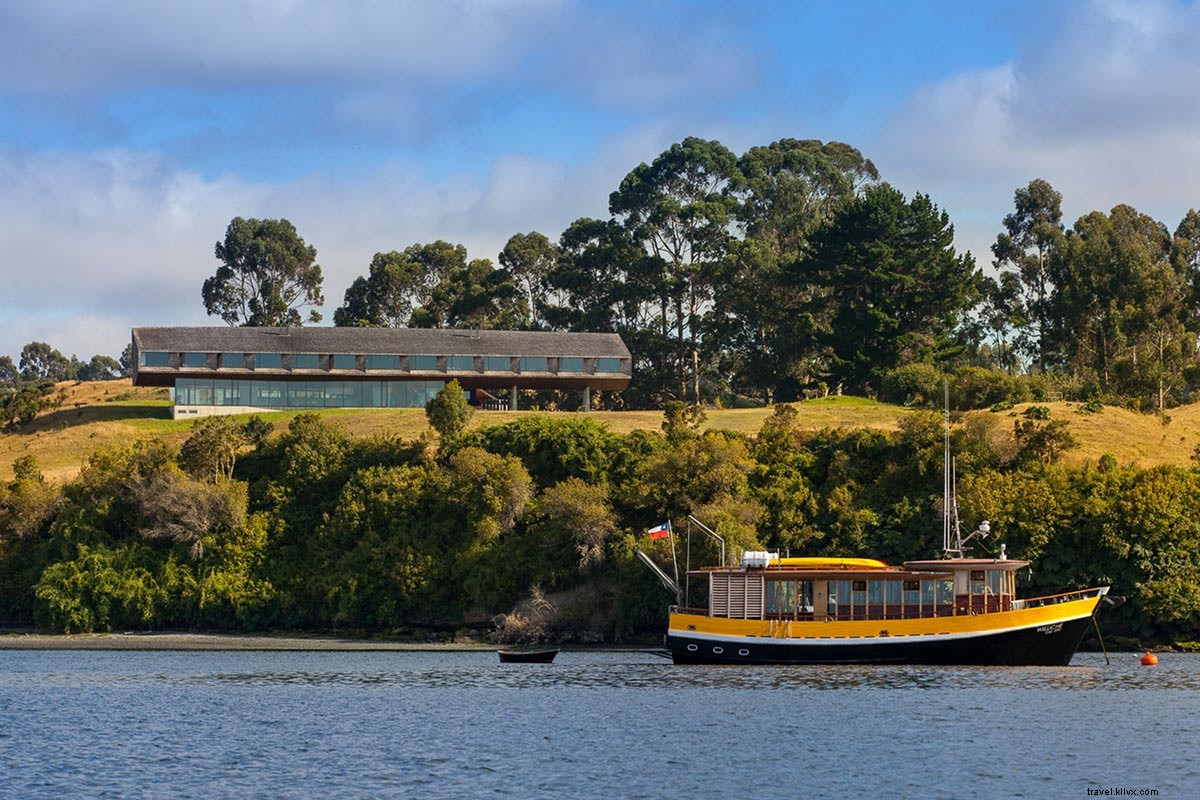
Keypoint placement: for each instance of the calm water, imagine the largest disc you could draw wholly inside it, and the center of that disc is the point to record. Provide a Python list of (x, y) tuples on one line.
[(594, 724)]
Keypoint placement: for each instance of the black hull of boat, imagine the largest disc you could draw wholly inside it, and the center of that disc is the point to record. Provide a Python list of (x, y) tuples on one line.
[(1047, 645)]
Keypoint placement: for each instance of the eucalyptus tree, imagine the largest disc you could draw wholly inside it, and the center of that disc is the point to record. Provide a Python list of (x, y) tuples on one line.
[(1123, 303), (1032, 232), (1185, 254), (41, 362), (267, 274), (399, 286), (529, 259), (679, 208)]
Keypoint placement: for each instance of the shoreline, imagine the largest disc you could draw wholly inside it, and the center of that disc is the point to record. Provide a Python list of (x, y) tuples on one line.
[(220, 641)]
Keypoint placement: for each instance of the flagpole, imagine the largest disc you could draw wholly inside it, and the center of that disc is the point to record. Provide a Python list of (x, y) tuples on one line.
[(674, 560)]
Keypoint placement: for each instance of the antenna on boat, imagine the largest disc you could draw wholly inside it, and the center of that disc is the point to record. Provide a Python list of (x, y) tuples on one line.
[(953, 543)]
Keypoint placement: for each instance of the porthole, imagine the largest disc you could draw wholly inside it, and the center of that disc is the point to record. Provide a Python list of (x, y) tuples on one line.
[(743, 652), (718, 650), (692, 648)]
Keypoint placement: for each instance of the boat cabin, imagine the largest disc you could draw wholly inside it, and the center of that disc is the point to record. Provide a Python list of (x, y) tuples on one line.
[(860, 589)]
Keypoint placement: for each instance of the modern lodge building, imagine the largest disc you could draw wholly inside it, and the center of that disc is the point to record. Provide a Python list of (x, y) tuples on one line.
[(228, 370)]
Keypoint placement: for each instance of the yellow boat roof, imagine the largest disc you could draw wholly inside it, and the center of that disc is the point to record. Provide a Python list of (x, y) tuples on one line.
[(825, 564)]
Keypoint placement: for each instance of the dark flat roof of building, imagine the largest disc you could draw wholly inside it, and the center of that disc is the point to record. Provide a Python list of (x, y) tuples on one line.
[(403, 341)]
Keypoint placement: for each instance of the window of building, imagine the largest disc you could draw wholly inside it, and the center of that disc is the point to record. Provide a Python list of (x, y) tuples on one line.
[(268, 361), (154, 359), (497, 364), (571, 364), (422, 363), (305, 361), (461, 363), (383, 362), (343, 361), (533, 364), (235, 360), (608, 365), (195, 359)]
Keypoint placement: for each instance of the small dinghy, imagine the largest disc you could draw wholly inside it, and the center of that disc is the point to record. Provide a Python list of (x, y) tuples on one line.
[(527, 656)]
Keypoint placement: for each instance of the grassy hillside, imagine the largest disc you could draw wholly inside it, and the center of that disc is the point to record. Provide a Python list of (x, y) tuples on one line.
[(95, 414)]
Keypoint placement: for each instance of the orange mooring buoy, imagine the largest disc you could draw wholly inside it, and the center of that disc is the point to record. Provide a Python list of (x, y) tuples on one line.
[(1149, 660)]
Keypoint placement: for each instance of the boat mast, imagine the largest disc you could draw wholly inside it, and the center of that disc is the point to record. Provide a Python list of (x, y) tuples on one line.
[(952, 545)]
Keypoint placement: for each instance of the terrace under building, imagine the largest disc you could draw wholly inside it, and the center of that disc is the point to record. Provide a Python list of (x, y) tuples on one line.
[(227, 370)]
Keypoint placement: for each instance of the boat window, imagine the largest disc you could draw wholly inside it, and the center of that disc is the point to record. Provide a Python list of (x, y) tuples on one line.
[(892, 592), (945, 591), (927, 592), (781, 597), (977, 583), (993, 581), (875, 592), (912, 586), (860, 586)]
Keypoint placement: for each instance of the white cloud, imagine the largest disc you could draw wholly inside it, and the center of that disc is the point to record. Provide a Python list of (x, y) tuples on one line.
[(1102, 108), (95, 244)]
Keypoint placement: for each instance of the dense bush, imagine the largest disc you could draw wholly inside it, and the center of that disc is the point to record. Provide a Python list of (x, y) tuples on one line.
[(317, 530)]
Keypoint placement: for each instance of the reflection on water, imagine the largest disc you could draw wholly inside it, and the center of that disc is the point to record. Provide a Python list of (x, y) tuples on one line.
[(593, 724)]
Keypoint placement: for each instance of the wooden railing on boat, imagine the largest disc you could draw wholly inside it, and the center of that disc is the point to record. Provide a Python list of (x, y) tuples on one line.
[(1053, 599)]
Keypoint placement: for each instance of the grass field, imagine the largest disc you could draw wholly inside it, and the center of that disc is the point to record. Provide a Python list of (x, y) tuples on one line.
[(107, 412)]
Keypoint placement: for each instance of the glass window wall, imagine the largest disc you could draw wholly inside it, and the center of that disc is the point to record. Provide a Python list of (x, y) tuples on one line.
[(343, 361), (306, 394), (305, 361), (497, 364), (383, 362), (422, 363), (461, 363), (152, 359), (570, 364), (268, 361), (235, 360), (529, 364), (608, 365), (195, 359)]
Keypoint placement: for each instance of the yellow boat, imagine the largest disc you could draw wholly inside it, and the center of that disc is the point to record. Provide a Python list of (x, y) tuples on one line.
[(825, 610), (951, 610)]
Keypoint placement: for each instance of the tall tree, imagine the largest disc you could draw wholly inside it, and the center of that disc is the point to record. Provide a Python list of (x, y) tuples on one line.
[(267, 274), (1122, 302), (399, 287), (385, 297), (679, 208), (786, 191), (1031, 233), (100, 368), (41, 362), (9, 374), (529, 259), (894, 286), (473, 296)]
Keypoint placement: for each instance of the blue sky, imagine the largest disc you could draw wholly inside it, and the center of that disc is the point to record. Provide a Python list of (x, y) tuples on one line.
[(132, 132)]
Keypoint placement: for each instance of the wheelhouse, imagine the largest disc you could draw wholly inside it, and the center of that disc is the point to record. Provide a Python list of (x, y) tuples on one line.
[(857, 589)]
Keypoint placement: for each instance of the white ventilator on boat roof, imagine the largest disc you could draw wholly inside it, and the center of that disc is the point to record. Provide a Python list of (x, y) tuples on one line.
[(758, 559)]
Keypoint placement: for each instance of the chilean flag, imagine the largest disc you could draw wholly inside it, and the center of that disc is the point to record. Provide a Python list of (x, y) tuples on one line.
[(661, 532)]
